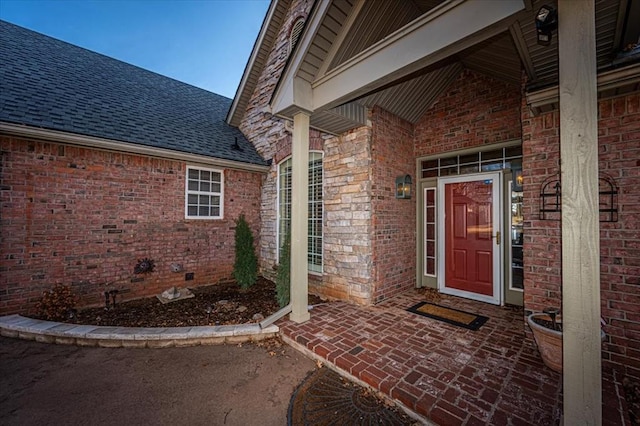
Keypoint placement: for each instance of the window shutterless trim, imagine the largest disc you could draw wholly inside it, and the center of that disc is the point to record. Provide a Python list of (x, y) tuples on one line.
[(219, 194)]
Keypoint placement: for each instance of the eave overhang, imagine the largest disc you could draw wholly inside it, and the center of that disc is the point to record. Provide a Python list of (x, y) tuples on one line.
[(610, 84), (30, 132), (450, 28)]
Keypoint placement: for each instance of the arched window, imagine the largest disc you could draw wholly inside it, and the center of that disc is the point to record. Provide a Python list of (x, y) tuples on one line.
[(294, 35), (314, 254)]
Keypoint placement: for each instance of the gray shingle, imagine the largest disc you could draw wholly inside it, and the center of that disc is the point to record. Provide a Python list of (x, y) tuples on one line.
[(51, 84)]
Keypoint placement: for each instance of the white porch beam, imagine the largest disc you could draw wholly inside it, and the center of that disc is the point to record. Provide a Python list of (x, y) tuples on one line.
[(444, 31), (582, 387), (299, 218), (284, 96)]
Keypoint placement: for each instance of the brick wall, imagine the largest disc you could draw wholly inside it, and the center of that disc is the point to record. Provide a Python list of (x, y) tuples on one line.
[(84, 217), (393, 220), (476, 110), (619, 157), (542, 248)]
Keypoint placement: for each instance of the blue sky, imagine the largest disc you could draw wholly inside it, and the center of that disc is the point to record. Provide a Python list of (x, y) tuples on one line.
[(205, 43)]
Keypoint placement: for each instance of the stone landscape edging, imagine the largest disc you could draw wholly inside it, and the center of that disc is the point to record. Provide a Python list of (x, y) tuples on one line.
[(18, 326)]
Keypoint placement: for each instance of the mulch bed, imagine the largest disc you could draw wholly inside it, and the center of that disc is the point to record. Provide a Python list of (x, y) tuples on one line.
[(226, 303)]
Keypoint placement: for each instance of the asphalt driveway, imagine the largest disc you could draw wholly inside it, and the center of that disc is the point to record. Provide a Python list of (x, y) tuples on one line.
[(45, 384)]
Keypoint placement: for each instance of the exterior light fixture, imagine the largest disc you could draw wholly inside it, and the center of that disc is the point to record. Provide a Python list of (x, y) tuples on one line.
[(403, 187), (546, 22)]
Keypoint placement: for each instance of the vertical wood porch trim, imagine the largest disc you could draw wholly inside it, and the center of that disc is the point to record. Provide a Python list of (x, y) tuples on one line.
[(580, 223), (299, 218)]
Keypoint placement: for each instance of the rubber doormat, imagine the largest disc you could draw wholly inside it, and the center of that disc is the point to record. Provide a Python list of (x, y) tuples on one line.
[(325, 398), (449, 315)]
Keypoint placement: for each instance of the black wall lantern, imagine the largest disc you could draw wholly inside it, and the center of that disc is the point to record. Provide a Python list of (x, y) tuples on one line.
[(403, 186), (546, 22)]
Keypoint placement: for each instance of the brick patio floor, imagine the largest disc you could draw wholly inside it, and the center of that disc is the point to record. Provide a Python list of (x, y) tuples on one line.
[(445, 373)]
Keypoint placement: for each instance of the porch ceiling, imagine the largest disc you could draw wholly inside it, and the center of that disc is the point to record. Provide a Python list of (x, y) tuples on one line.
[(348, 28)]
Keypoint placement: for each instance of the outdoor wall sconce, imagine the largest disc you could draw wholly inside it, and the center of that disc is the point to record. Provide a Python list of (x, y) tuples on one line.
[(403, 187), (546, 22)]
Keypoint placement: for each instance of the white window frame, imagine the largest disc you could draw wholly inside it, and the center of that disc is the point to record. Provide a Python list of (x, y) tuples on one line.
[(279, 218), (426, 223), (188, 192)]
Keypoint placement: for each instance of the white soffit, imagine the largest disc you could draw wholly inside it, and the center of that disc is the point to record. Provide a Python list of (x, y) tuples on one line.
[(449, 28)]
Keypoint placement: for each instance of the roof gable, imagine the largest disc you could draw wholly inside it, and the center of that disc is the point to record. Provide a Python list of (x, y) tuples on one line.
[(50, 84)]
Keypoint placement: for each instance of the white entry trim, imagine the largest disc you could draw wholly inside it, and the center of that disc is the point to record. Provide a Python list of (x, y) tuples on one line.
[(496, 177)]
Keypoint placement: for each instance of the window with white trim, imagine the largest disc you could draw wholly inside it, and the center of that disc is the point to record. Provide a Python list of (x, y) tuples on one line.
[(203, 193), (429, 233), (314, 254)]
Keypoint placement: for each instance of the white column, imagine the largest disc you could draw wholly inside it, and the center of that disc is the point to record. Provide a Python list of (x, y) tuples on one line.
[(299, 218), (580, 220)]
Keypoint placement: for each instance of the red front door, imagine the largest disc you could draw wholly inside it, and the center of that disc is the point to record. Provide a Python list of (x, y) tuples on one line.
[(468, 229)]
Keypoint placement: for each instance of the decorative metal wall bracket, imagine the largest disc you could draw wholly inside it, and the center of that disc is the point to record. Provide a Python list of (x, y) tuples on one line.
[(551, 198)]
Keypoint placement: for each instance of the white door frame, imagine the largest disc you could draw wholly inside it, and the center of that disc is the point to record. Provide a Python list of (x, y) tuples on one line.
[(497, 214)]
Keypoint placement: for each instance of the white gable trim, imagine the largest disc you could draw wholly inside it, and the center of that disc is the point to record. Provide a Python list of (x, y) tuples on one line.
[(444, 31)]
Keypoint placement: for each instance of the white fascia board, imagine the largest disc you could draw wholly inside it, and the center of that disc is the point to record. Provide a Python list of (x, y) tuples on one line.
[(606, 81), (252, 59), (284, 96), (444, 31), (129, 148)]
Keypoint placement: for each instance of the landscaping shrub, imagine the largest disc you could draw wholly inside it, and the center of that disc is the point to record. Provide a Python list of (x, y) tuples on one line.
[(283, 277), (245, 268), (56, 303)]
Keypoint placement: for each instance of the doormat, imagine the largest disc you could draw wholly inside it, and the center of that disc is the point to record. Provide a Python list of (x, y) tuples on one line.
[(449, 315)]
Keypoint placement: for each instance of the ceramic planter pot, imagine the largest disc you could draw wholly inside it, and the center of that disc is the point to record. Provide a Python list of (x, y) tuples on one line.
[(550, 341)]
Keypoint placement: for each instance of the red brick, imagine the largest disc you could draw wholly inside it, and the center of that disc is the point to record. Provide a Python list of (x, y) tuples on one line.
[(404, 397), (443, 417), (86, 216)]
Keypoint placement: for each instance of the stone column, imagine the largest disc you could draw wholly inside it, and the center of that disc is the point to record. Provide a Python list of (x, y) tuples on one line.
[(299, 218)]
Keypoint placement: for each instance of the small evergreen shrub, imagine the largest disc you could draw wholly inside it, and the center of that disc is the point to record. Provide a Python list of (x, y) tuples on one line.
[(245, 268), (283, 277), (56, 303)]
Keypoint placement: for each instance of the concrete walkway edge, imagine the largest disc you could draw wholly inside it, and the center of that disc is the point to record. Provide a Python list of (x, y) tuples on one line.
[(18, 326)]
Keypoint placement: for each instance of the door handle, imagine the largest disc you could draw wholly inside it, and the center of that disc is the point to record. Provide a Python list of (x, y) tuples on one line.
[(497, 237)]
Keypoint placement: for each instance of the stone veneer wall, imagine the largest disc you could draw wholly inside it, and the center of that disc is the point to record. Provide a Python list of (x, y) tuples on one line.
[(348, 231), (619, 158), (84, 217), (393, 220), (270, 136)]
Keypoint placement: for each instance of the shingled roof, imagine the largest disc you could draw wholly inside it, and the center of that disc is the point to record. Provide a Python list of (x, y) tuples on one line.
[(50, 84)]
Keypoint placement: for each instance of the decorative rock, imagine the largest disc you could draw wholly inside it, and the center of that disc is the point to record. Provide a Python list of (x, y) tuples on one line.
[(241, 309), (171, 293), (222, 302), (258, 317)]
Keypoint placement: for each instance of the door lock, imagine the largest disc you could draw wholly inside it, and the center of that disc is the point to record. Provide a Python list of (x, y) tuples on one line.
[(498, 237)]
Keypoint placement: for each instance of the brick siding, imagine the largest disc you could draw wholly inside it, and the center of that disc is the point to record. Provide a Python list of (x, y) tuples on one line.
[(84, 217), (476, 110), (394, 220), (619, 158)]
